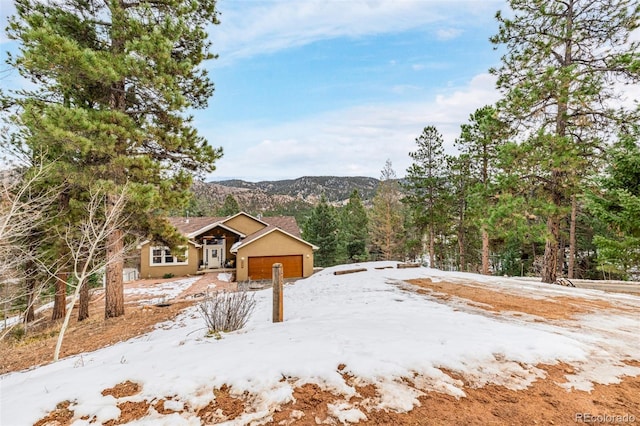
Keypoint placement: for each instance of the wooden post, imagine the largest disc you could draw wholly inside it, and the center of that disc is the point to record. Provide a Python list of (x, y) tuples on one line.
[(278, 279)]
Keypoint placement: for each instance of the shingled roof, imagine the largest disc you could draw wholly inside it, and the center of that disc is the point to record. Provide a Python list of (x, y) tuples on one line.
[(286, 223), (191, 225)]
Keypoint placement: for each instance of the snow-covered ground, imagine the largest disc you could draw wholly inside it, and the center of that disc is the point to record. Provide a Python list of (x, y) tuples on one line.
[(162, 292), (366, 321)]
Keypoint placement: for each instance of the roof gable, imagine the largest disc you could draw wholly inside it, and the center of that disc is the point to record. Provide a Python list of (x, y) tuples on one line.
[(245, 215), (263, 233)]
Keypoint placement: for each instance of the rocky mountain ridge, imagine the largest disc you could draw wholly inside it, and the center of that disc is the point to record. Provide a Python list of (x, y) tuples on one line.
[(284, 196), (310, 188)]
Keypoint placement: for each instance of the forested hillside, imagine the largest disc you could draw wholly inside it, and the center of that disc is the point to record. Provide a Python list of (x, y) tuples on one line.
[(295, 197), (311, 188)]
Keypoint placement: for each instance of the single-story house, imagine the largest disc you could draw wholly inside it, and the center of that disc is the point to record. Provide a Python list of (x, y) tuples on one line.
[(247, 245)]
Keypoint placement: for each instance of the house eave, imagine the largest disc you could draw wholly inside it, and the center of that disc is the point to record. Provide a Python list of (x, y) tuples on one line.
[(211, 226)]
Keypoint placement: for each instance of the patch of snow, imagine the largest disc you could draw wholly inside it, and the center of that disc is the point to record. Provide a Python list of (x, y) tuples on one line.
[(161, 292), (225, 277), (345, 413), (170, 404), (366, 321)]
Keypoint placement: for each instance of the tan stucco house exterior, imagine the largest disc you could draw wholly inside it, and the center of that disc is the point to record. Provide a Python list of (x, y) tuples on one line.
[(247, 245)]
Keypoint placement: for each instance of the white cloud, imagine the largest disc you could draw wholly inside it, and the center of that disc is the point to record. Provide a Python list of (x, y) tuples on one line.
[(257, 27), (351, 142), (448, 33)]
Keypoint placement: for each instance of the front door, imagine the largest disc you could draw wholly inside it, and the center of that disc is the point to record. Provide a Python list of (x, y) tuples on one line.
[(214, 254)]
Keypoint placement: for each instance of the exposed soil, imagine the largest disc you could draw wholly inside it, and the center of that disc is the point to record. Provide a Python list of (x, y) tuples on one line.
[(121, 390), (37, 347), (88, 335), (130, 411), (60, 416), (544, 402), (551, 308), (224, 407)]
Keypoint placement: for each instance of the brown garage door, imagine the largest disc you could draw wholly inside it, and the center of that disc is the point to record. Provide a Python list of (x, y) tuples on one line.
[(260, 268)]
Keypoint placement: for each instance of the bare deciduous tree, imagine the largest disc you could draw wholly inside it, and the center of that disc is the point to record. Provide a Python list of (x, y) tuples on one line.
[(89, 242), (23, 207)]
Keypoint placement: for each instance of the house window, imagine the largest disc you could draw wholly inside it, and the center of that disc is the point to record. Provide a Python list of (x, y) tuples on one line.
[(163, 256)]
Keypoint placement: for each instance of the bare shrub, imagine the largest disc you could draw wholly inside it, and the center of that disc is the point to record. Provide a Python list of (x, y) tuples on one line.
[(227, 311)]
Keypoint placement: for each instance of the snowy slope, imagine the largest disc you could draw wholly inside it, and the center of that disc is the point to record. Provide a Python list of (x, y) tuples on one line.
[(366, 321)]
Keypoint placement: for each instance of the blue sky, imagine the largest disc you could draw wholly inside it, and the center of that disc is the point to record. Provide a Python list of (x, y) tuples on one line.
[(337, 87)]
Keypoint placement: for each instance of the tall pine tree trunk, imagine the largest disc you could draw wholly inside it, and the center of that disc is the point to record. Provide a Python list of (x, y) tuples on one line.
[(558, 177), (60, 300), (114, 292), (550, 259), (432, 250), (461, 239), (485, 251), (83, 308), (462, 249), (572, 237)]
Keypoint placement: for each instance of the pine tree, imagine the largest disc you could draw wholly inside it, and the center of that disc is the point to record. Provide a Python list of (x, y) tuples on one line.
[(618, 206), (557, 77), (321, 229), (113, 82), (386, 220), (479, 142), (461, 183), (354, 233), (425, 186), (230, 206)]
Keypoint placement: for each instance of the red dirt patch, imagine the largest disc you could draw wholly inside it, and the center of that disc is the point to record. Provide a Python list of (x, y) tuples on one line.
[(553, 308), (61, 416), (224, 407), (88, 335), (309, 407), (130, 411), (122, 390)]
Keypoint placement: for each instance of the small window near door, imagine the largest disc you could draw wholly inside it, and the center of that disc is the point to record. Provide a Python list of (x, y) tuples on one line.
[(163, 256)]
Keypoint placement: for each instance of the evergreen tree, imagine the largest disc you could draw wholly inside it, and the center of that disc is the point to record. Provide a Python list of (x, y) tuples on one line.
[(557, 76), (321, 229), (354, 232), (461, 186), (618, 206), (479, 142), (425, 186), (230, 206), (386, 220), (113, 82)]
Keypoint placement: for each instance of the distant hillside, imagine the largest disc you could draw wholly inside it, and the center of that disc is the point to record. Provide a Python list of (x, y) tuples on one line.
[(310, 188), (294, 197)]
